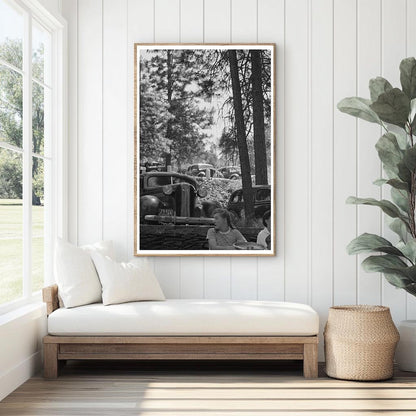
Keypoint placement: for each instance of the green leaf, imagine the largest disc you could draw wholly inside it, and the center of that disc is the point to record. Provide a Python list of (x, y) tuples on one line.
[(388, 207), (408, 77), (398, 184), (411, 289), (408, 249), (412, 115), (400, 228), (395, 183), (397, 280), (380, 182), (389, 151), (381, 263), (410, 158), (390, 173), (395, 270), (401, 139), (410, 272), (366, 243), (400, 198), (378, 86), (392, 107), (412, 109), (404, 173), (359, 107)]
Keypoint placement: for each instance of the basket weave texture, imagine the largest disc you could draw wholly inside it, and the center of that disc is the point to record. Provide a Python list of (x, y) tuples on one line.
[(360, 341)]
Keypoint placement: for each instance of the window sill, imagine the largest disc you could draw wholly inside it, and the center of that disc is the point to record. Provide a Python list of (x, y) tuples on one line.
[(32, 306)]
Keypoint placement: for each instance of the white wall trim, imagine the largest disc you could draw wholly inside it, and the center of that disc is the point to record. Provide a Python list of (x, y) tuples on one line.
[(20, 309), (30, 316), (11, 379), (41, 12)]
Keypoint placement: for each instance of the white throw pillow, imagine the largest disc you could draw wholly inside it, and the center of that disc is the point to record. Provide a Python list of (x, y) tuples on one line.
[(104, 247), (126, 282), (75, 273)]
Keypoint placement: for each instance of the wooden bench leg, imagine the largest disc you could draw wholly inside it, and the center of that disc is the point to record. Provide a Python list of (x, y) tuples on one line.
[(310, 360), (50, 360)]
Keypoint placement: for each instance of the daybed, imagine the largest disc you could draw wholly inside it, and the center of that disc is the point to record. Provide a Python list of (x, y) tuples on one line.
[(181, 329)]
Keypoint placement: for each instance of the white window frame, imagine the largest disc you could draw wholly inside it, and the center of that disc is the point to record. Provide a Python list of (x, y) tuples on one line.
[(58, 211)]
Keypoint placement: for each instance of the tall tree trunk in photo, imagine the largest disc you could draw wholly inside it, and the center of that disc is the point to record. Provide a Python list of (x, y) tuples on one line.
[(241, 139), (260, 153), (169, 134)]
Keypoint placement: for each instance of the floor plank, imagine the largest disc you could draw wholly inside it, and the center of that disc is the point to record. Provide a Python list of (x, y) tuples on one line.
[(206, 388)]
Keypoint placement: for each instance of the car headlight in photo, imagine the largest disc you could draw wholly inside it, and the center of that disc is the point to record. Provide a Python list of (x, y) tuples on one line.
[(202, 193)]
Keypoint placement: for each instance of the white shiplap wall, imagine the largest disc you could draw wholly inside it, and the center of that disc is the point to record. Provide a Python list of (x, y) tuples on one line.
[(326, 50)]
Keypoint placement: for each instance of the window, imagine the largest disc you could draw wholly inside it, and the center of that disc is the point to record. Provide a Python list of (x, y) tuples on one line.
[(155, 181), (263, 195), (30, 148)]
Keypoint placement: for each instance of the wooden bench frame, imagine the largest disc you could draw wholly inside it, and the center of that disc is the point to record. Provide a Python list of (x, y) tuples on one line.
[(58, 349)]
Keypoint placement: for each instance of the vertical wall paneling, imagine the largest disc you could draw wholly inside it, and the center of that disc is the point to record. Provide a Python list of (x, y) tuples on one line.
[(368, 162), (90, 183), (167, 29), (192, 277), (411, 51), (321, 151), (244, 278), (140, 21), (217, 282), (271, 29), (217, 26), (345, 151), (296, 152), (244, 29), (192, 31), (217, 19), (70, 11), (168, 275), (411, 28), (393, 51), (192, 21), (114, 124), (244, 21), (167, 21)]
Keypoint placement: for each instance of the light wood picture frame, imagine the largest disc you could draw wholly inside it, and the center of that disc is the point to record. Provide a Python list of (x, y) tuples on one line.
[(204, 149)]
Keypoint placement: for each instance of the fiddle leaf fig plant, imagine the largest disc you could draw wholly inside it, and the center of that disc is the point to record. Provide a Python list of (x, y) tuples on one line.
[(394, 109)]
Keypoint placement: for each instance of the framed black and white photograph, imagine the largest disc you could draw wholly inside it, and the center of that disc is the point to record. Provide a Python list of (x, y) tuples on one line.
[(204, 149)]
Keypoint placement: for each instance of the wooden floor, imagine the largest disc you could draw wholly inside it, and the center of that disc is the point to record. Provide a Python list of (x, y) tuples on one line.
[(226, 389)]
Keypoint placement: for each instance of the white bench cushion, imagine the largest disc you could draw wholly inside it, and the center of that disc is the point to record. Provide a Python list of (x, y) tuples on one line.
[(186, 317)]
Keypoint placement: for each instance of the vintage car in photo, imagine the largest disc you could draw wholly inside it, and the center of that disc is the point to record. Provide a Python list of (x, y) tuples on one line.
[(262, 202), (155, 166), (170, 197), (202, 170), (230, 172)]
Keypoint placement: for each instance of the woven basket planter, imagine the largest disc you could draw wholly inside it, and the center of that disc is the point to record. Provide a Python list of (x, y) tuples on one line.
[(360, 341)]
